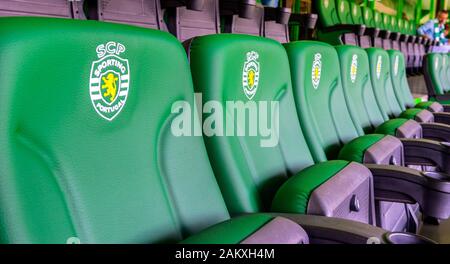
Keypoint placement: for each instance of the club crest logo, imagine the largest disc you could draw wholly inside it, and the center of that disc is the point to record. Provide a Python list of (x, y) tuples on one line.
[(354, 68), (316, 70), (250, 74), (109, 80), (396, 65), (379, 65)]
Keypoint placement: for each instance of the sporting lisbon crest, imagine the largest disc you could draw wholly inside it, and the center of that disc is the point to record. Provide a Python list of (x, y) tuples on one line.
[(396, 65), (379, 62), (316, 70), (354, 68), (109, 80), (250, 74)]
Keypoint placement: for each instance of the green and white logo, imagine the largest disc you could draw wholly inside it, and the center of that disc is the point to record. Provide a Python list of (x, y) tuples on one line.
[(396, 65), (316, 70), (250, 74), (354, 68), (325, 3), (379, 65), (109, 80)]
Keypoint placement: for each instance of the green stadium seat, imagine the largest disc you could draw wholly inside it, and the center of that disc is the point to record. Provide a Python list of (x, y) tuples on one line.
[(77, 167), (385, 95), (336, 25), (436, 84), (365, 110), (360, 97), (331, 132), (280, 177), (403, 93)]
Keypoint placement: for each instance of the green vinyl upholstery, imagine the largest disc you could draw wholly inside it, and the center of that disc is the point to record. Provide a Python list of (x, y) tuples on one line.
[(343, 11), (359, 95), (433, 68), (321, 105), (327, 12), (356, 14), (254, 178), (69, 173), (388, 98)]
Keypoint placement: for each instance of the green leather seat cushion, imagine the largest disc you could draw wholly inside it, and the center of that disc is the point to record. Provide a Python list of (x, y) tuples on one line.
[(444, 102), (424, 105), (232, 231), (390, 127), (355, 149), (410, 113), (293, 195)]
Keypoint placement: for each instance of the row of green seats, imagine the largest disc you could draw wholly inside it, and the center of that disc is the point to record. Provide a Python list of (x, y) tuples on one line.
[(437, 77), (97, 144)]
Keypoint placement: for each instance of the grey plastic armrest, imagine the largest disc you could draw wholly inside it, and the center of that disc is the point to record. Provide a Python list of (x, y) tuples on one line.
[(446, 108), (442, 117), (323, 229), (401, 184), (436, 131), (427, 152)]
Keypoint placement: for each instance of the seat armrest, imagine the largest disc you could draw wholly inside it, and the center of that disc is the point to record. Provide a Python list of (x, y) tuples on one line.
[(446, 108), (427, 152), (436, 131), (322, 229), (443, 97), (405, 185), (442, 117)]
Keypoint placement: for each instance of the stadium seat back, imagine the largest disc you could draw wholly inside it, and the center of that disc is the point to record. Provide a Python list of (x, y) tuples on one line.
[(394, 24), (327, 12), (253, 72), (398, 76), (343, 11), (367, 14), (443, 73), (359, 96), (88, 153), (319, 98), (377, 19), (357, 17), (381, 82), (432, 72)]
